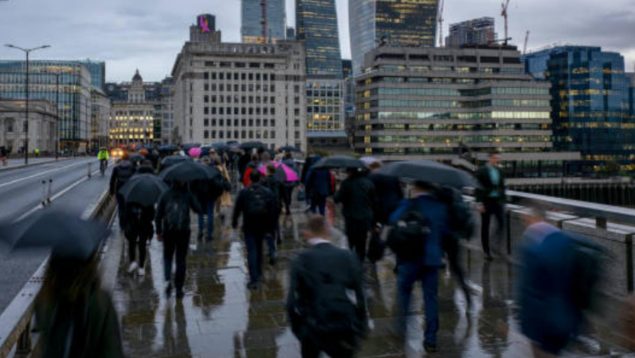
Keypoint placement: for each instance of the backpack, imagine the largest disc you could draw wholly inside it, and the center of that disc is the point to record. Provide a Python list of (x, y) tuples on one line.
[(407, 238), (177, 214), (460, 218), (257, 202)]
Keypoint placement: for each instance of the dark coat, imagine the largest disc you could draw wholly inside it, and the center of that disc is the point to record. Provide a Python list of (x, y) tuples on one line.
[(168, 197), (139, 220), (255, 225), (358, 197), (143, 169), (318, 181), (271, 183), (389, 195), (320, 268), (120, 175), (487, 187)]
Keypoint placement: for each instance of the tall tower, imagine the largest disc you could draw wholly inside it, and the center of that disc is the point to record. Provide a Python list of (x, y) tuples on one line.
[(394, 22), (251, 29), (316, 25)]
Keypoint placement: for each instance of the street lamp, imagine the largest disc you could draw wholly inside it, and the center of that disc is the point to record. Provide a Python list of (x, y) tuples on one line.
[(27, 51)]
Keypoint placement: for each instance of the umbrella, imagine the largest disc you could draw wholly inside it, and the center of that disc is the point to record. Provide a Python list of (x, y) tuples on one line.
[(143, 189), (369, 160), (194, 152), (429, 171), (253, 145), (339, 161), (283, 172), (67, 235), (171, 160), (136, 158), (189, 171), (168, 148), (289, 148), (188, 146)]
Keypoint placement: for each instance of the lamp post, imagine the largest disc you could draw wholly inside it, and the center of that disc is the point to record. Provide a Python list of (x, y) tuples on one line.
[(27, 51)]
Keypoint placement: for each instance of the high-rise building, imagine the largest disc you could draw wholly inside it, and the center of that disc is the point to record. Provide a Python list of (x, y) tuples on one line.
[(67, 84), (590, 104), (631, 95), (391, 22), (242, 92), (349, 98), (252, 14), (479, 31), (290, 33), (97, 70), (451, 104), (168, 134)]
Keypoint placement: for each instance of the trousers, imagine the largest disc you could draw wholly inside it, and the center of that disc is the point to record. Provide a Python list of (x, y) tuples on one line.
[(175, 245)]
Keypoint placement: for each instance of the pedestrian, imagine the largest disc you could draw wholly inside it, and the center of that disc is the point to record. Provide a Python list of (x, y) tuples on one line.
[(138, 232), (120, 176), (252, 166), (3, 155), (491, 197), (172, 224), (273, 184), (318, 188), (287, 187), (145, 167), (422, 263), (257, 205), (388, 190), (326, 306), (358, 197), (206, 194)]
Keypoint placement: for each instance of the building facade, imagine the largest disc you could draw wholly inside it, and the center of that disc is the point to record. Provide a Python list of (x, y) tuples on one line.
[(132, 122), (65, 83), (451, 104), (168, 134), (590, 104), (99, 120), (479, 31), (240, 92), (97, 70), (42, 125), (398, 23), (251, 29)]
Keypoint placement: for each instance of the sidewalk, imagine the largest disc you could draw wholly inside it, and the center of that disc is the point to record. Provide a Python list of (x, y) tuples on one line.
[(219, 317), (16, 163)]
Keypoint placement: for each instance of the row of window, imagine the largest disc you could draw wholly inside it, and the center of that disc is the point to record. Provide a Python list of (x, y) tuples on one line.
[(236, 76), (402, 68), (450, 115), (457, 127), (243, 122), (244, 99), (448, 58), (242, 88), (243, 111), (243, 134), (456, 140), (225, 64)]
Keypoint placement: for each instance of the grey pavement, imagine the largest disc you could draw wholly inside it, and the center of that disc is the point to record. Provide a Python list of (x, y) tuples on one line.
[(19, 162)]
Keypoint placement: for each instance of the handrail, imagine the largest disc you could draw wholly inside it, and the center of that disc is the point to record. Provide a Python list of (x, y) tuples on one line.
[(15, 321)]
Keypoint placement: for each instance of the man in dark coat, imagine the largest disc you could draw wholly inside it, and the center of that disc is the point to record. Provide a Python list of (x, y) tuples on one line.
[(326, 305), (389, 193), (138, 231), (120, 176), (358, 198), (318, 188), (491, 196)]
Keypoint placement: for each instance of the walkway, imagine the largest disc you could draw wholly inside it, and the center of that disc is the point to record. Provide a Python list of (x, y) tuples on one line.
[(219, 317)]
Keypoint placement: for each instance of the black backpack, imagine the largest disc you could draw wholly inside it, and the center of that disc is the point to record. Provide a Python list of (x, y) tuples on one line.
[(177, 214), (257, 206), (407, 238)]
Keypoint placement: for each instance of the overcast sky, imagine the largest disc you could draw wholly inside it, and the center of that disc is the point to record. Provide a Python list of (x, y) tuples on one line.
[(148, 34)]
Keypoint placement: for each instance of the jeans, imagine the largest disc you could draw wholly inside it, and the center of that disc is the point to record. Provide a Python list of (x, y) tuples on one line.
[(408, 273), (137, 242), (210, 221), (357, 233), (175, 244), (495, 208), (311, 348), (318, 203), (254, 255)]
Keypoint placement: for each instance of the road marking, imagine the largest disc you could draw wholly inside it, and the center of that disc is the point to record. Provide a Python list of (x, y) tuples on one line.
[(40, 174)]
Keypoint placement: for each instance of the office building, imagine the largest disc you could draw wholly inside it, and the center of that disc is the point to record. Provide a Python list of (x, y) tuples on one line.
[(456, 104), (242, 92), (397, 23), (42, 125), (132, 122), (99, 120), (479, 31), (590, 104), (64, 83), (97, 70), (252, 26), (349, 99), (631, 95), (168, 135), (290, 33)]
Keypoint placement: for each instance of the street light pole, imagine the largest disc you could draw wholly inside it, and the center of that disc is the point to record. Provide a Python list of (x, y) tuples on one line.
[(27, 52)]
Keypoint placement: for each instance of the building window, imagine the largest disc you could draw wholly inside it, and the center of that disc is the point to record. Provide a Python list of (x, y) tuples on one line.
[(272, 134), (206, 134), (213, 134), (206, 122)]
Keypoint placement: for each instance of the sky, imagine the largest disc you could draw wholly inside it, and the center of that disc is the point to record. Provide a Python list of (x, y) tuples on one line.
[(148, 34)]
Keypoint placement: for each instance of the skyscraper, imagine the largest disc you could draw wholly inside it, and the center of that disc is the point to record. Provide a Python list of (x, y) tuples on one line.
[(472, 32), (395, 22), (252, 26)]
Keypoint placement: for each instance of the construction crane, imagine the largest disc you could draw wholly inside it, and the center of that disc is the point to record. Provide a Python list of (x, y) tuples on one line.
[(526, 41), (263, 20), (440, 21), (505, 16)]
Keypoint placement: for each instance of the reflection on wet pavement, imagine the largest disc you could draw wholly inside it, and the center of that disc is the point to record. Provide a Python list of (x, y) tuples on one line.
[(219, 317)]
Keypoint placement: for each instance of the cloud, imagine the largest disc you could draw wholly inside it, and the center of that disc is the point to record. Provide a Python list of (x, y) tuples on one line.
[(148, 34)]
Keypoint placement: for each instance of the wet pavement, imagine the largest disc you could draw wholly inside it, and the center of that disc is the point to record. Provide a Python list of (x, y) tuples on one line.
[(220, 317)]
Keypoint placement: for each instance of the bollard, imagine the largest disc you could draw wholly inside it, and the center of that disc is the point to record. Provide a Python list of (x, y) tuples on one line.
[(49, 192), (43, 202), (89, 165)]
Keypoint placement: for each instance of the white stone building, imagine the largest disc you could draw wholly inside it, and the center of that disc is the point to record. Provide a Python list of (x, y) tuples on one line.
[(42, 125), (132, 121)]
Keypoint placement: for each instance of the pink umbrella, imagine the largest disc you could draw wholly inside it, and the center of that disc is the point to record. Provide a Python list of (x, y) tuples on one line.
[(195, 152), (286, 173)]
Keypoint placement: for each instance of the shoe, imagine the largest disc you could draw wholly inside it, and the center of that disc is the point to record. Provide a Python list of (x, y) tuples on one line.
[(430, 348), (133, 267), (141, 271), (179, 294), (168, 290)]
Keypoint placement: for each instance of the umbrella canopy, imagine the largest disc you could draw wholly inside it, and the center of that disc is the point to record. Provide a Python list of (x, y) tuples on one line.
[(136, 158), (194, 152), (283, 172), (168, 148), (429, 171), (143, 189), (339, 161), (289, 148), (189, 171), (172, 160), (253, 145), (188, 146), (67, 235)]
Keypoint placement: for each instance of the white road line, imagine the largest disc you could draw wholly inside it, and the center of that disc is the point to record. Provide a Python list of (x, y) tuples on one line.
[(40, 174)]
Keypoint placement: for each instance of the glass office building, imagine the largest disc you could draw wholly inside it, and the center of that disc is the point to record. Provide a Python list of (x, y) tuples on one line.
[(394, 22), (590, 104), (251, 17), (97, 72), (316, 25), (66, 83)]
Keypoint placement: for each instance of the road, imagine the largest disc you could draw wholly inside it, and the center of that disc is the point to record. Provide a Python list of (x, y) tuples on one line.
[(21, 193)]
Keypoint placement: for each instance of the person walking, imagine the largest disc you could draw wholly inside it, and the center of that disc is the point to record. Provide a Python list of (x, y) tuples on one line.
[(172, 224), (257, 205), (388, 190), (491, 199), (121, 173), (287, 187), (358, 197), (3, 155), (145, 167), (138, 232), (318, 188), (206, 195), (431, 214), (325, 304), (273, 184)]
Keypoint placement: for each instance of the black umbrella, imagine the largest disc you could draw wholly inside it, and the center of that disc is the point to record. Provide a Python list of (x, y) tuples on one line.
[(143, 189), (289, 148), (168, 148), (339, 161), (173, 159), (429, 171), (67, 235), (136, 158), (189, 171), (253, 145)]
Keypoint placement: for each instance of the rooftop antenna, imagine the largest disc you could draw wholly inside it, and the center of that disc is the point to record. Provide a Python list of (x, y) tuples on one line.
[(440, 21), (526, 41), (505, 16)]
